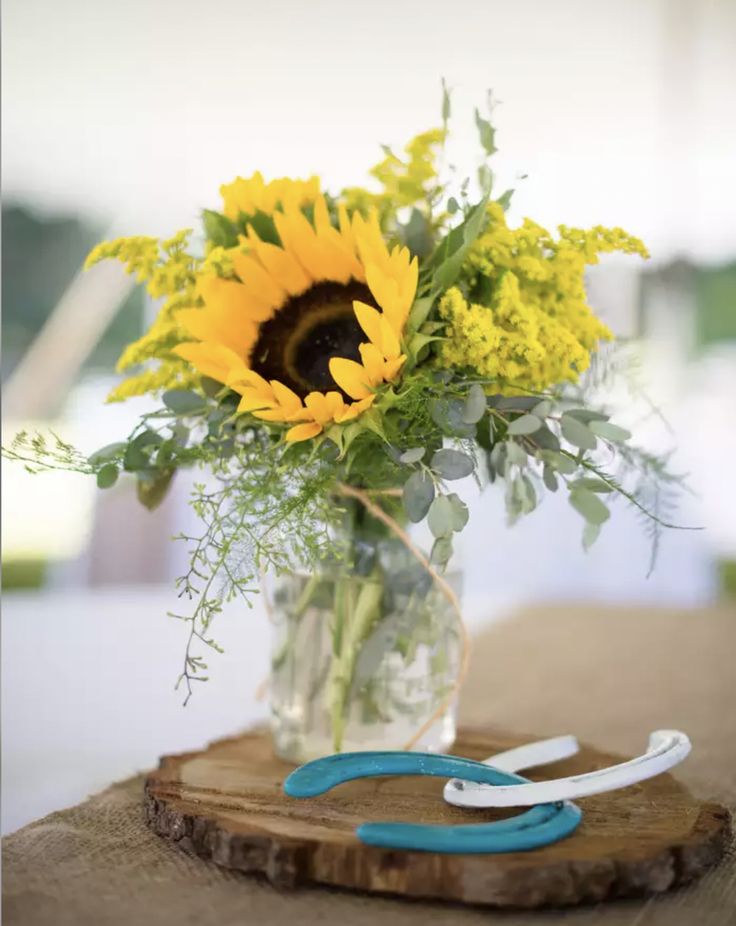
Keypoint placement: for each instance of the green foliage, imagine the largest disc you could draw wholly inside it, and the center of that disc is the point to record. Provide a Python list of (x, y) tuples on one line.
[(219, 229), (272, 505), (418, 495), (448, 260)]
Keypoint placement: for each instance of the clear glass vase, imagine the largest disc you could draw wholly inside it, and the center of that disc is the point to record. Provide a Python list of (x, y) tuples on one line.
[(366, 651)]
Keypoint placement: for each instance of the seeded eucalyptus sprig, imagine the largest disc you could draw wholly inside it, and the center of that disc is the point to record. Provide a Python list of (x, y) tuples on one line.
[(535, 444)]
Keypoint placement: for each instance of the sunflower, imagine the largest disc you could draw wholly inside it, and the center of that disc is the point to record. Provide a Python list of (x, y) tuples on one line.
[(253, 195), (306, 330)]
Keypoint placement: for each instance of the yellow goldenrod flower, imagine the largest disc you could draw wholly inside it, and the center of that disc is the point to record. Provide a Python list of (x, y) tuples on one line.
[(305, 330), (404, 180), (167, 269), (534, 328)]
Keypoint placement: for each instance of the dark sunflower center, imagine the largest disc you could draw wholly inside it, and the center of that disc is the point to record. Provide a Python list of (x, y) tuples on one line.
[(297, 344)]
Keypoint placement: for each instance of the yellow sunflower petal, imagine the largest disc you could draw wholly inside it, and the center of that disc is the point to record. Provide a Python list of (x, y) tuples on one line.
[(319, 407), (321, 215), (346, 228), (385, 291), (286, 397), (373, 362), (280, 414), (280, 264), (335, 403), (213, 360), (254, 194), (232, 298), (355, 408), (339, 249), (249, 378), (253, 399), (198, 324), (390, 346), (303, 431), (392, 367), (261, 286), (369, 241), (220, 327), (298, 237), (369, 320), (238, 196), (351, 377)]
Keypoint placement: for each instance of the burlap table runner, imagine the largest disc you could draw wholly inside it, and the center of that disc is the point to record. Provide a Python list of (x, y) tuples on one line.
[(608, 675)]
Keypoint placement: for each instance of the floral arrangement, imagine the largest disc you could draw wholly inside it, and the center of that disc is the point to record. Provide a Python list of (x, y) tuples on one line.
[(353, 354)]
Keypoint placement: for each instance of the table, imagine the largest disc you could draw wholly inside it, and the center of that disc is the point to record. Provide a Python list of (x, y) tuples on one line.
[(607, 674)]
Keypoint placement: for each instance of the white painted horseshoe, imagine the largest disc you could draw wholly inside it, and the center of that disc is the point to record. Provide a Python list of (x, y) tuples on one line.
[(530, 755), (666, 749)]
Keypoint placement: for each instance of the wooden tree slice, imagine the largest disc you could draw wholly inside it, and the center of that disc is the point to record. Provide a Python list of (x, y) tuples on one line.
[(226, 804)]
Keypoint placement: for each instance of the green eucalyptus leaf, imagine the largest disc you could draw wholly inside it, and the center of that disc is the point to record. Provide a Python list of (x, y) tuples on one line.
[(559, 461), (543, 408), (135, 458), (108, 452), (441, 551), (515, 403), (589, 506), (184, 401), (210, 387), (418, 495), (165, 453), (577, 433), (498, 457), (180, 433), (550, 479), (530, 494), (591, 484), (441, 516), (107, 476), (609, 431), (447, 414), (590, 535), (546, 439), (526, 424), (453, 205), (515, 453), (475, 404), (452, 464), (586, 415), (152, 488), (460, 513), (486, 133), (412, 455), (147, 438)]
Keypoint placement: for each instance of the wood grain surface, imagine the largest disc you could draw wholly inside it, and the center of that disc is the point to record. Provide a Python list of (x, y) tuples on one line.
[(226, 804)]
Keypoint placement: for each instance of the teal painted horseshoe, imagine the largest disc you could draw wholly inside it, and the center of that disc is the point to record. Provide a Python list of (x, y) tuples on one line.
[(540, 826)]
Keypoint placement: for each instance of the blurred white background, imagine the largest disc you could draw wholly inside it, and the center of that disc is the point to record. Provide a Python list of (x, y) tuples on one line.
[(125, 118)]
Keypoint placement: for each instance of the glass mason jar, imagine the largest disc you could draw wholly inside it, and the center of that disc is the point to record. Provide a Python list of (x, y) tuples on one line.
[(366, 650)]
